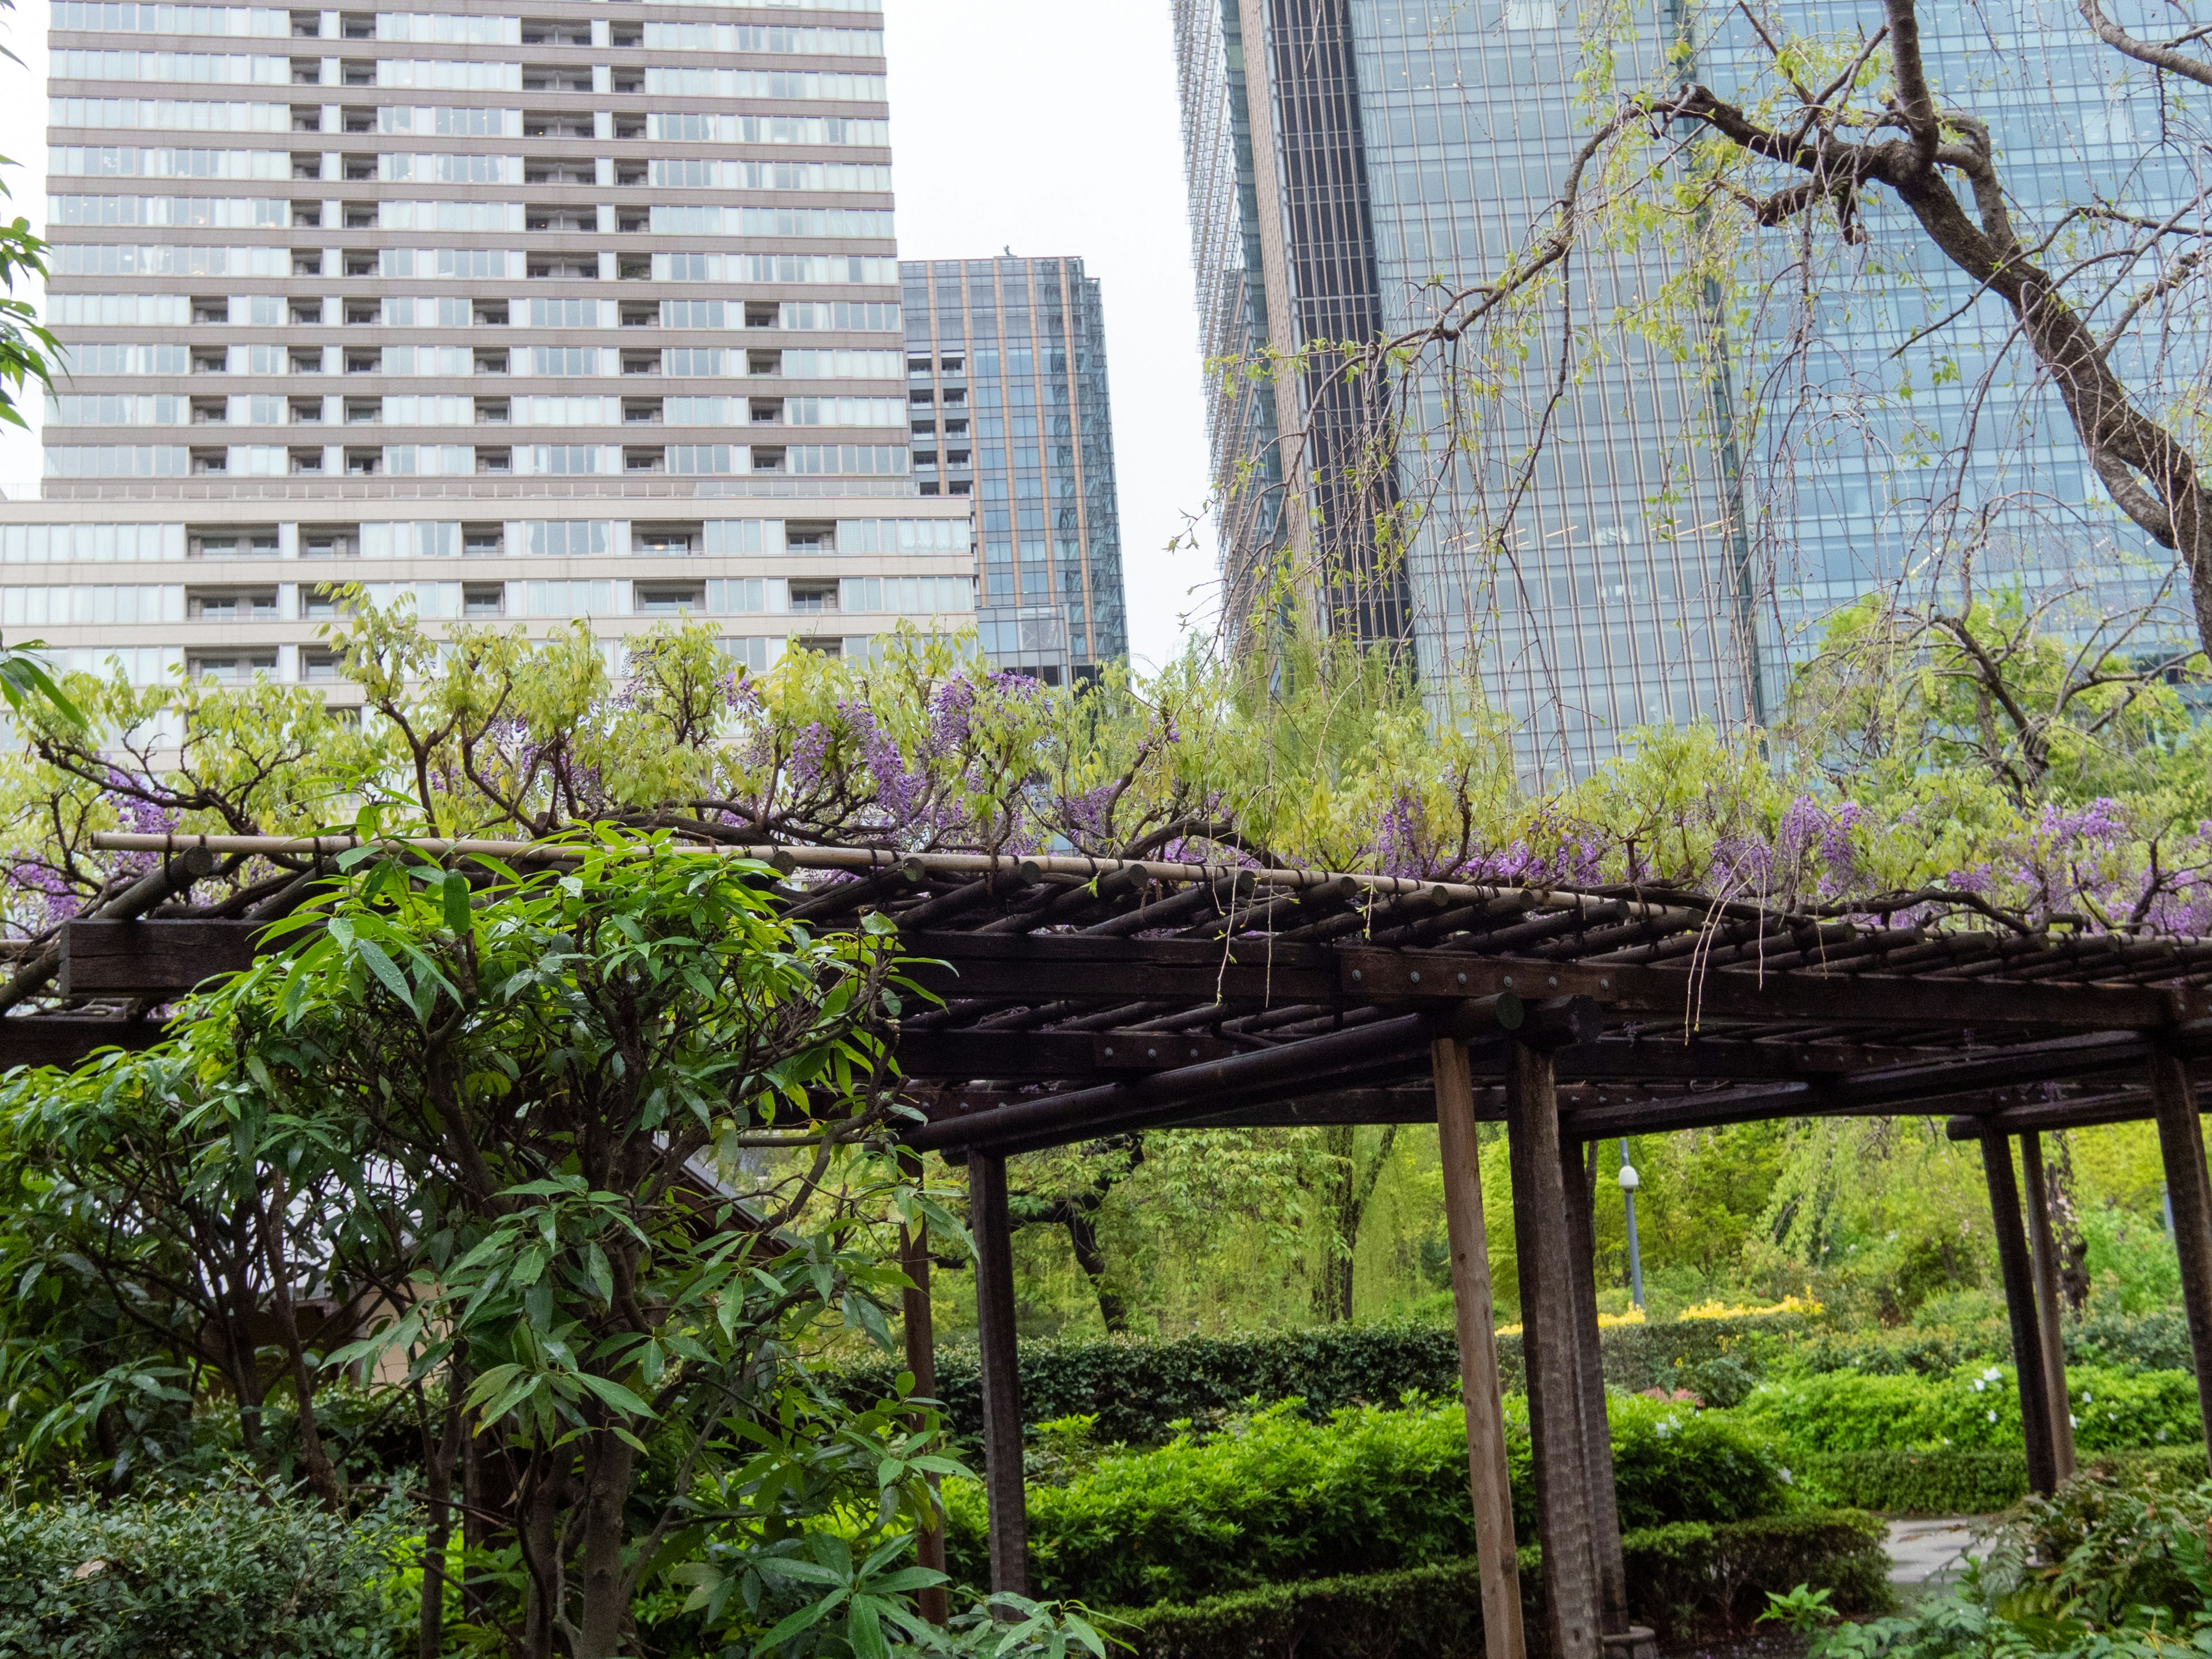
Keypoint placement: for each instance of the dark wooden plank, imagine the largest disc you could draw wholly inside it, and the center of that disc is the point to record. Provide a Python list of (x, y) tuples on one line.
[(1267, 986), (68, 1040), (1488, 1476), (2081, 1112), (2018, 1273), (150, 958), (1261, 952), (2181, 1148), (1604, 1501), (1889, 1000), (1539, 1224), (2043, 1257), (1005, 1489), (957, 1056)]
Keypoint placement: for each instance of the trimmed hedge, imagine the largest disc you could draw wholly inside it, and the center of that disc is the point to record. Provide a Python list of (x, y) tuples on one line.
[(1683, 1580), (1977, 1405), (1276, 1498), (1964, 1481), (229, 1572), (1139, 1389)]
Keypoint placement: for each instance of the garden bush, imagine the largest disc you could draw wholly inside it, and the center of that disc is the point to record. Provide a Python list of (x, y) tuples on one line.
[(1974, 1406), (1139, 1389), (1960, 1480), (1277, 1499), (2156, 1340), (234, 1570), (1691, 1578)]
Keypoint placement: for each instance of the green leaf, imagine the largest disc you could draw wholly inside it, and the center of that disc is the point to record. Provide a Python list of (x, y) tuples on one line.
[(454, 893), (615, 1395), (864, 1628)]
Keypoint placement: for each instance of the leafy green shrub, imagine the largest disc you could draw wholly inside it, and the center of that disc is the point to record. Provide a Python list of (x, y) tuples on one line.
[(1685, 1579), (2112, 1566), (2153, 1341), (1974, 1406), (233, 1571), (1698, 1576), (1957, 1481), (1277, 1499), (1139, 1389)]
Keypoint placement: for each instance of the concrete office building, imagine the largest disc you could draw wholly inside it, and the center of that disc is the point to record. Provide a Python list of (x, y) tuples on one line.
[(1006, 384), (574, 309), (1344, 157)]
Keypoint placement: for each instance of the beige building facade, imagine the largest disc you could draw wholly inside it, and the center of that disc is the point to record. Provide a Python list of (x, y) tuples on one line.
[(586, 309)]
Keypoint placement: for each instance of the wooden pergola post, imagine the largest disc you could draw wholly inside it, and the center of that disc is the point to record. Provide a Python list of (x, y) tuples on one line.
[(1488, 1481), (921, 1333), (1548, 1340), (2018, 1276), (1589, 1384), (1007, 1499), (2181, 1147), (2043, 1258)]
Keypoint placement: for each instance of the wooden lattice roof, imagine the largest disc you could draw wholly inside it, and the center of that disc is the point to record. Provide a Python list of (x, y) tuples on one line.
[(1085, 997)]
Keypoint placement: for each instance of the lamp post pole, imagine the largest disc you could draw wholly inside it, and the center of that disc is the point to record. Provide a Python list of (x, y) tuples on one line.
[(1630, 1180)]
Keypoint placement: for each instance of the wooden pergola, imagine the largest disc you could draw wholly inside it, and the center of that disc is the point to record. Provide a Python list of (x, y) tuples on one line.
[(1087, 997)]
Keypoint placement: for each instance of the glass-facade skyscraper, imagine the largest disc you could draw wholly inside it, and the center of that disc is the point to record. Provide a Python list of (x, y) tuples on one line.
[(1617, 545), (1374, 154), (583, 310), (1008, 395)]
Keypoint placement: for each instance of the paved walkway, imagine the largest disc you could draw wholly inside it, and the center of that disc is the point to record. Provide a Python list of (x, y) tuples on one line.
[(1930, 1552)]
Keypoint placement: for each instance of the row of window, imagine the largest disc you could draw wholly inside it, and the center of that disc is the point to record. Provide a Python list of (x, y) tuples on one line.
[(126, 544), (85, 605), (160, 664), (460, 460), (456, 122), (103, 358), (79, 409), (91, 16), (822, 269), (389, 167), (448, 75), (556, 362)]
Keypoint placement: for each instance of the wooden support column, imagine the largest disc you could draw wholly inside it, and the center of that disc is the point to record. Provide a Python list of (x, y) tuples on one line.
[(921, 1330), (1555, 1411), (1589, 1385), (2043, 1258), (2018, 1276), (1007, 1498), (1487, 1469), (2181, 1145)]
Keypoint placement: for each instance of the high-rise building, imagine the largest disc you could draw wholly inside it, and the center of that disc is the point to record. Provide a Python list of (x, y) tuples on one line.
[(536, 312), (1854, 482), (1594, 547), (1349, 162), (1007, 388)]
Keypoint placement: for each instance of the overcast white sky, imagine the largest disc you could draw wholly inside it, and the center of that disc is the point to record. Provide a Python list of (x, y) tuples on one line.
[(1043, 125)]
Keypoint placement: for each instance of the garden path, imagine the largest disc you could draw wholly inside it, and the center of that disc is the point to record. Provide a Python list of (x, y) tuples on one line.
[(1929, 1551)]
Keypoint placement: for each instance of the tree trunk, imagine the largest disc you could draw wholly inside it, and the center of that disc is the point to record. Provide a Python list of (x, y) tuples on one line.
[(438, 1457), (1340, 1243), (541, 1552), (1083, 1236), (321, 1474), (601, 1585)]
